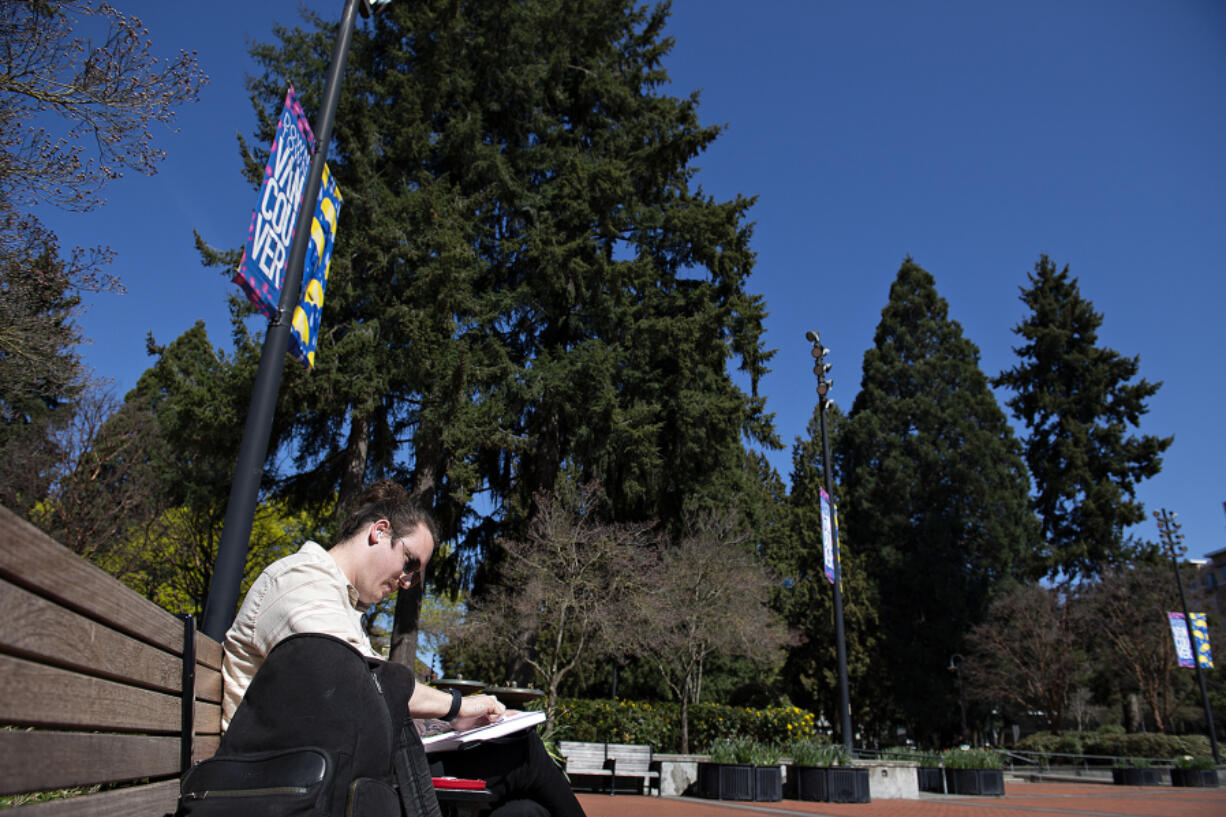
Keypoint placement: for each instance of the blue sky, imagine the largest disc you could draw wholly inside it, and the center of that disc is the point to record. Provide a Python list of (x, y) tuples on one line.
[(972, 136)]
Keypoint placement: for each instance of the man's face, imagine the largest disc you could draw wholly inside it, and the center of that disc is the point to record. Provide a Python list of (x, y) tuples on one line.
[(396, 560)]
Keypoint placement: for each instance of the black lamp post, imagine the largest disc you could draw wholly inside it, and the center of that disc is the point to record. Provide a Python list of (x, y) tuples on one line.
[(1168, 532), (244, 491), (821, 368)]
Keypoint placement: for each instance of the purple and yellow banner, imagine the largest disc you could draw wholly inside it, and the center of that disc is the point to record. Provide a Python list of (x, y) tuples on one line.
[(1200, 639), (828, 535), (305, 326), (261, 273)]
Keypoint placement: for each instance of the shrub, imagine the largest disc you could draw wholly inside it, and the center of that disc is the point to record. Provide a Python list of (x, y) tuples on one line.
[(1131, 763), (973, 759), (812, 753), (744, 750), (1193, 762), (657, 724)]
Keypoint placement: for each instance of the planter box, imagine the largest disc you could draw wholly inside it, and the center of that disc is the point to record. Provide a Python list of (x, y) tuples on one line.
[(725, 781), (1134, 777), (1202, 778), (768, 784), (807, 783), (828, 784), (930, 778), (975, 781), (847, 785), (738, 781)]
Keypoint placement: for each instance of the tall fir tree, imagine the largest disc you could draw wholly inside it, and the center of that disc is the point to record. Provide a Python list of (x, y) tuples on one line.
[(525, 279), (935, 497), (1078, 402)]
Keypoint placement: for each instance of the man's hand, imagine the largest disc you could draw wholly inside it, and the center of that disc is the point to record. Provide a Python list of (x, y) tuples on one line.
[(478, 710)]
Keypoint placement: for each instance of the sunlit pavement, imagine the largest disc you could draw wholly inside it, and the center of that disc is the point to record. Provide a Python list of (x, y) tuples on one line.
[(1019, 800)]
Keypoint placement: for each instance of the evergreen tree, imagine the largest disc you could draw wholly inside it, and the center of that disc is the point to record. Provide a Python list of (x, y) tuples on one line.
[(524, 279), (935, 497), (1077, 403)]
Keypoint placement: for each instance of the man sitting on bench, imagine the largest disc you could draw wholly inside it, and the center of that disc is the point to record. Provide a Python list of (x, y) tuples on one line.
[(384, 545)]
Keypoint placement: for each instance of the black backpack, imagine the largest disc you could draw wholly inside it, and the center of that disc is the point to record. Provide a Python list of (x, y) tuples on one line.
[(322, 731)]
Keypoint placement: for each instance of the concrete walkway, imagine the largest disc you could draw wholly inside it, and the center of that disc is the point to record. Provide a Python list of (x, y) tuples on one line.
[(1019, 800)]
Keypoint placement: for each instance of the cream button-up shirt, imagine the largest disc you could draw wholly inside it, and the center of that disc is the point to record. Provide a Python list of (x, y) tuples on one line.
[(305, 592)]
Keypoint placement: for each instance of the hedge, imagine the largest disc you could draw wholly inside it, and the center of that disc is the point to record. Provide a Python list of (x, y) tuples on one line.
[(657, 724), (1137, 744)]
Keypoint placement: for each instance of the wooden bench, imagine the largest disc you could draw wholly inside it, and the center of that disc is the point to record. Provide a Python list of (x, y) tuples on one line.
[(91, 688), (98, 685), (611, 761)]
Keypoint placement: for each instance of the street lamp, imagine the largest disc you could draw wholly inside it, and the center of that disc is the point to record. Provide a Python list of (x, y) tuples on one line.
[(244, 490), (821, 368), (955, 666), (1168, 532)]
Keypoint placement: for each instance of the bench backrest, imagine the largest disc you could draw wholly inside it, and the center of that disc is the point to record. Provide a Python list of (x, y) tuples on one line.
[(587, 757), (630, 757), (581, 756), (92, 680)]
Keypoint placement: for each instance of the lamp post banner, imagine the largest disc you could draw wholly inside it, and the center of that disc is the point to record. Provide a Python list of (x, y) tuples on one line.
[(304, 331), (1200, 636), (827, 536), (261, 272)]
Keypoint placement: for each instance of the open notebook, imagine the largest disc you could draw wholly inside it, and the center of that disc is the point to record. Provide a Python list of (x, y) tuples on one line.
[(510, 723)]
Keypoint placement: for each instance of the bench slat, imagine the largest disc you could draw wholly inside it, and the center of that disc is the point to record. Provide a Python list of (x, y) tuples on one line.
[(36, 561), (208, 651), (38, 761), (80, 701), (153, 800), (41, 630)]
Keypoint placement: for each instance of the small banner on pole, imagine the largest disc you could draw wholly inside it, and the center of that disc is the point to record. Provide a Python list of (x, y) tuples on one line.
[(828, 542), (261, 272), (1200, 637)]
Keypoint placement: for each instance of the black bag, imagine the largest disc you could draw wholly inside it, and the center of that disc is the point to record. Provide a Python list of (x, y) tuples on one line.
[(322, 731)]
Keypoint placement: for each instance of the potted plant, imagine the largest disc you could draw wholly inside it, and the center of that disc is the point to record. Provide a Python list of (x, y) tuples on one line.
[(929, 774), (768, 774), (974, 771), (1193, 771), (1133, 771), (823, 772), (741, 769)]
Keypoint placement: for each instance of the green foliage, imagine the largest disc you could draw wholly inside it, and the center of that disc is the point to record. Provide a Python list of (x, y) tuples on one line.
[(744, 750), (814, 753), (1131, 763), (1110, 743), (657, 724), (523, 268), (1200, 763), (973, 759), (41, 375), (1077, 403), (935, 499)]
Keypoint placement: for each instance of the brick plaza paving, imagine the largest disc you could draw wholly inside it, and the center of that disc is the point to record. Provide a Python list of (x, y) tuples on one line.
[(1019, 800)]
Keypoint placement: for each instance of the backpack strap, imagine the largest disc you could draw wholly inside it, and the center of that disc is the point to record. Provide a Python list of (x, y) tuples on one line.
[(413, 775), (412, 772)]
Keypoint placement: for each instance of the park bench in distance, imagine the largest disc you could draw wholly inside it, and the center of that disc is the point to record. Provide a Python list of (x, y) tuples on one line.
[(612, 761)]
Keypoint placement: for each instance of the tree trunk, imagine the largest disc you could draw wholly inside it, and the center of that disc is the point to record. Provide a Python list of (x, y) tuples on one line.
[(357, 449), (404, 627), (685, 725)]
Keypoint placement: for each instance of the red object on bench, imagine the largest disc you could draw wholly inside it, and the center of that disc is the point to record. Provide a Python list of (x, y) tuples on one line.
[(457, 783)]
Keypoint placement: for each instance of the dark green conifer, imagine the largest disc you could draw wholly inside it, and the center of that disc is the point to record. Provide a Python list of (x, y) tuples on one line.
[(1077, 402), (935, 496)]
